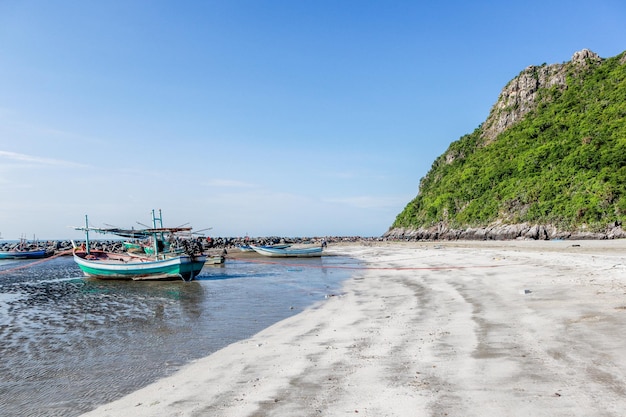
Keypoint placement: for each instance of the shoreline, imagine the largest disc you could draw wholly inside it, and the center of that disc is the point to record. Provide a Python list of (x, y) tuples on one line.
[(231, 244), (485, 328)]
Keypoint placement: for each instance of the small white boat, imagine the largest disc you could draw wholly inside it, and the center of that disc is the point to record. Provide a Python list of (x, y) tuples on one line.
[(248, 248), (215, 259), (289, 252)]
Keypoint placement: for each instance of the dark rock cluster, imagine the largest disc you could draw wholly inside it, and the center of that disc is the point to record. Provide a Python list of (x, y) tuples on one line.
[(60, 247), (233, 242)]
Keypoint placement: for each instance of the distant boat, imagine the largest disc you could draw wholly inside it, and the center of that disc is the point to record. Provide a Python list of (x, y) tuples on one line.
[(248, 248), (147, 247), (22, 250), (24, 254), (132, 266), (289, 252), (133, 247), (215, 259)]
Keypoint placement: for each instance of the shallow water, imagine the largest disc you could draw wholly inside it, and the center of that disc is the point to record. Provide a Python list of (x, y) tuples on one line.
[(68, 344)]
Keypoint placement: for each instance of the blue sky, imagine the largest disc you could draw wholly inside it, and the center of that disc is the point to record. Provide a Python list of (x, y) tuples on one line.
[(282, 118)]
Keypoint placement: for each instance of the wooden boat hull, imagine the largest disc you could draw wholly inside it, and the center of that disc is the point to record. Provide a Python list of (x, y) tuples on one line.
[(105, 265), (288, 252), (30, 254)]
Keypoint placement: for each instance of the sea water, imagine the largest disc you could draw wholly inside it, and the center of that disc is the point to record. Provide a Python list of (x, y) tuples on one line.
[(70, 343)]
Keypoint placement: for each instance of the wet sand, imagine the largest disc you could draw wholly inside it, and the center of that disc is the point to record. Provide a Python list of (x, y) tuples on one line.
[(518, 328)]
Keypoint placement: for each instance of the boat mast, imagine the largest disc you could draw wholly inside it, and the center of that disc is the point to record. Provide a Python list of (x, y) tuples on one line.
[(155, 236), (86, 233)]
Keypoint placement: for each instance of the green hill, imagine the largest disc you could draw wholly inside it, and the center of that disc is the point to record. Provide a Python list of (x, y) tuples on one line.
[(552, 152)]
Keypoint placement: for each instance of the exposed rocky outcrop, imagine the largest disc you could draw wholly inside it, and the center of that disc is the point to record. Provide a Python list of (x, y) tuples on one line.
[(500, 231), (519, 96)]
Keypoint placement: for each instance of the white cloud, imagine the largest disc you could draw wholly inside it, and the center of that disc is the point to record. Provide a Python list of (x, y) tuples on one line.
[(37, 160), (370, 202), (220, 182)]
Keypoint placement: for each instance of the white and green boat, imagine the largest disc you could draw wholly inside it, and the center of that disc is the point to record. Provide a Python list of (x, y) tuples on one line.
[(129, 266)]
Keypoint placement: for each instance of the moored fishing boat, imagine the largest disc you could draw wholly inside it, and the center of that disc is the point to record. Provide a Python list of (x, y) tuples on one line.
[(159, 265), (23, 254), (248, 248), (289, 252), (215, 259), (22, 250), (108, 265)]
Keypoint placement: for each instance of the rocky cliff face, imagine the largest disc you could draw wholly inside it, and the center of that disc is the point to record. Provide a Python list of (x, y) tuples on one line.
[(520, 95)]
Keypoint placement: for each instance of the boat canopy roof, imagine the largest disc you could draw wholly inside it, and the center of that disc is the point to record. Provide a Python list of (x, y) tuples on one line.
[(135, 233)]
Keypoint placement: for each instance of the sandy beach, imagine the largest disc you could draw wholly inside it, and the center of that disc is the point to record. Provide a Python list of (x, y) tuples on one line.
[(518, 328)]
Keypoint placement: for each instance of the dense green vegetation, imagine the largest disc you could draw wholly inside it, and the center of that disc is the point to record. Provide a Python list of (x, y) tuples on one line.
[(564, 164)]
